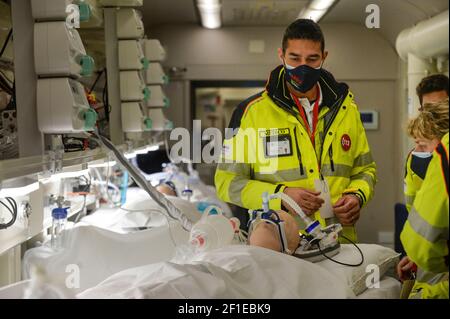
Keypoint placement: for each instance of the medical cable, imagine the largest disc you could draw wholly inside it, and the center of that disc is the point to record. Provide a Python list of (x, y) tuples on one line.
[(5, 44), (342, 263), (13, 211), (149, 217), (171, 210), (82, 212)]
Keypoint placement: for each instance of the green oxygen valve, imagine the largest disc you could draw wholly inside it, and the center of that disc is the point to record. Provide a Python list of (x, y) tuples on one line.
[(85, 11), (147, 93), (87, 65), (145, 63), (148, 124), (169, 125), (166, 79), (166, 102), (90, 118)]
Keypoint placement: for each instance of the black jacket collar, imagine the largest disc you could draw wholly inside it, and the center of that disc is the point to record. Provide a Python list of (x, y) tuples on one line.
[(333, 91)]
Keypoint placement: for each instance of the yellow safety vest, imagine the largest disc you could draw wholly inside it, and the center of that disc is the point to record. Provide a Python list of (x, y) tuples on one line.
[(270, 148), (425, 234), (412, 183)]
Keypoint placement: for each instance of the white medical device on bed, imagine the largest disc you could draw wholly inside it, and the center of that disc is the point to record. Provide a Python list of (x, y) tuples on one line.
[(318, 244)]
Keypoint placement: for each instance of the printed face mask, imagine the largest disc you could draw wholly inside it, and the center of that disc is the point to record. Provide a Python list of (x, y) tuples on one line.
[(302, 78)]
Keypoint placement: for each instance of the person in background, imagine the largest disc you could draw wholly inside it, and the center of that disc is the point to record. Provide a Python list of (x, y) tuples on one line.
[(167, 188), (433, 88), (427, 129)]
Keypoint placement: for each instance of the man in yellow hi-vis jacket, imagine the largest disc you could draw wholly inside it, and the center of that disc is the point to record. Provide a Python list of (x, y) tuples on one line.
[(425, 234), (302, 133)]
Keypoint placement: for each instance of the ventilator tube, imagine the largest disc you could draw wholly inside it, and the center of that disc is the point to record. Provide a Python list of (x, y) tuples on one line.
[(312, 227)]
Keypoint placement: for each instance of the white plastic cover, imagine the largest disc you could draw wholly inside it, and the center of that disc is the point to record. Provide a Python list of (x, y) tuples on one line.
[(229, 272), (99, 253)]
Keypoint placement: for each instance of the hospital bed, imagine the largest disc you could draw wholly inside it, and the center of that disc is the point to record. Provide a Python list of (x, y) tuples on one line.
[(133, 251), (151, 263)]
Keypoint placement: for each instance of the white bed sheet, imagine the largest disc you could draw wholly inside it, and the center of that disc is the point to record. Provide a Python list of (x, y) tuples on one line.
[(389, 289), (99, 253), (235, 271)]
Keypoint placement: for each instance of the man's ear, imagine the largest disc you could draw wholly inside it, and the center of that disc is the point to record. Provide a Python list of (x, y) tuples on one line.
[(325, 54), (280, 55)]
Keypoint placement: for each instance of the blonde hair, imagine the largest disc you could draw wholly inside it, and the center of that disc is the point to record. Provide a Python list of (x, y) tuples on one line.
[(432, 121)]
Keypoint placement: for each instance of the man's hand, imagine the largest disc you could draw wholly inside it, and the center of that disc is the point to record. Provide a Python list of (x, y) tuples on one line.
[(405, 268), (308, 200), (347, 209)]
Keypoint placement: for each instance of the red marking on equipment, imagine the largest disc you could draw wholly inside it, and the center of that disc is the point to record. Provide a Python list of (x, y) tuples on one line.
[(346, 142), (201, 240)]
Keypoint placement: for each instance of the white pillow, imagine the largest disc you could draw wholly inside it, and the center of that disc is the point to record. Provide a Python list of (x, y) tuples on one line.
[(385, 258)]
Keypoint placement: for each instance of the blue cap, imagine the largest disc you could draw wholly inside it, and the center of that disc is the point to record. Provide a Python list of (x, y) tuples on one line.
[(59, 213), (201, 206)]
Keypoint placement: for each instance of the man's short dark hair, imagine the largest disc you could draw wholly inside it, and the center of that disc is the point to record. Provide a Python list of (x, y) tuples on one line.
[(432, 83), (303, 29)]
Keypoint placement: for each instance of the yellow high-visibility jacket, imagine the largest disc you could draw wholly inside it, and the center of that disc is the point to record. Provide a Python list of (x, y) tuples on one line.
[(425, 234), (270, 149), (412, 183)]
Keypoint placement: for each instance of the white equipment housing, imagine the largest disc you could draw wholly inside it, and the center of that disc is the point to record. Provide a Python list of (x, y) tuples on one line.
[(154, 51), (155, 74), (132, 86), (50, 9), (157, 97), (159, 121), (131, 55), (58, 50), (129, 24), (121, 3), (61, 105), (133, 118)]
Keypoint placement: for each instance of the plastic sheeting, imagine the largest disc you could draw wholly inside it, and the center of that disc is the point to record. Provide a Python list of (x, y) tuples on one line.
[(98, 253), (229, 272)]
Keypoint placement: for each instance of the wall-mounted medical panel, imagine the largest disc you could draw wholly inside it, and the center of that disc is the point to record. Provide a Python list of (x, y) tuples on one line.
[(155, 74), (132, 86), (59, 51), (134, 119), (154, 51), (159, 121), (62, 107), (131, 55), (129, 24), (157, 97)]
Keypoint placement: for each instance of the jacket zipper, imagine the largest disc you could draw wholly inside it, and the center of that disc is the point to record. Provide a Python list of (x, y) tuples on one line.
[(330, 153), (298, 153), (327, 128)]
